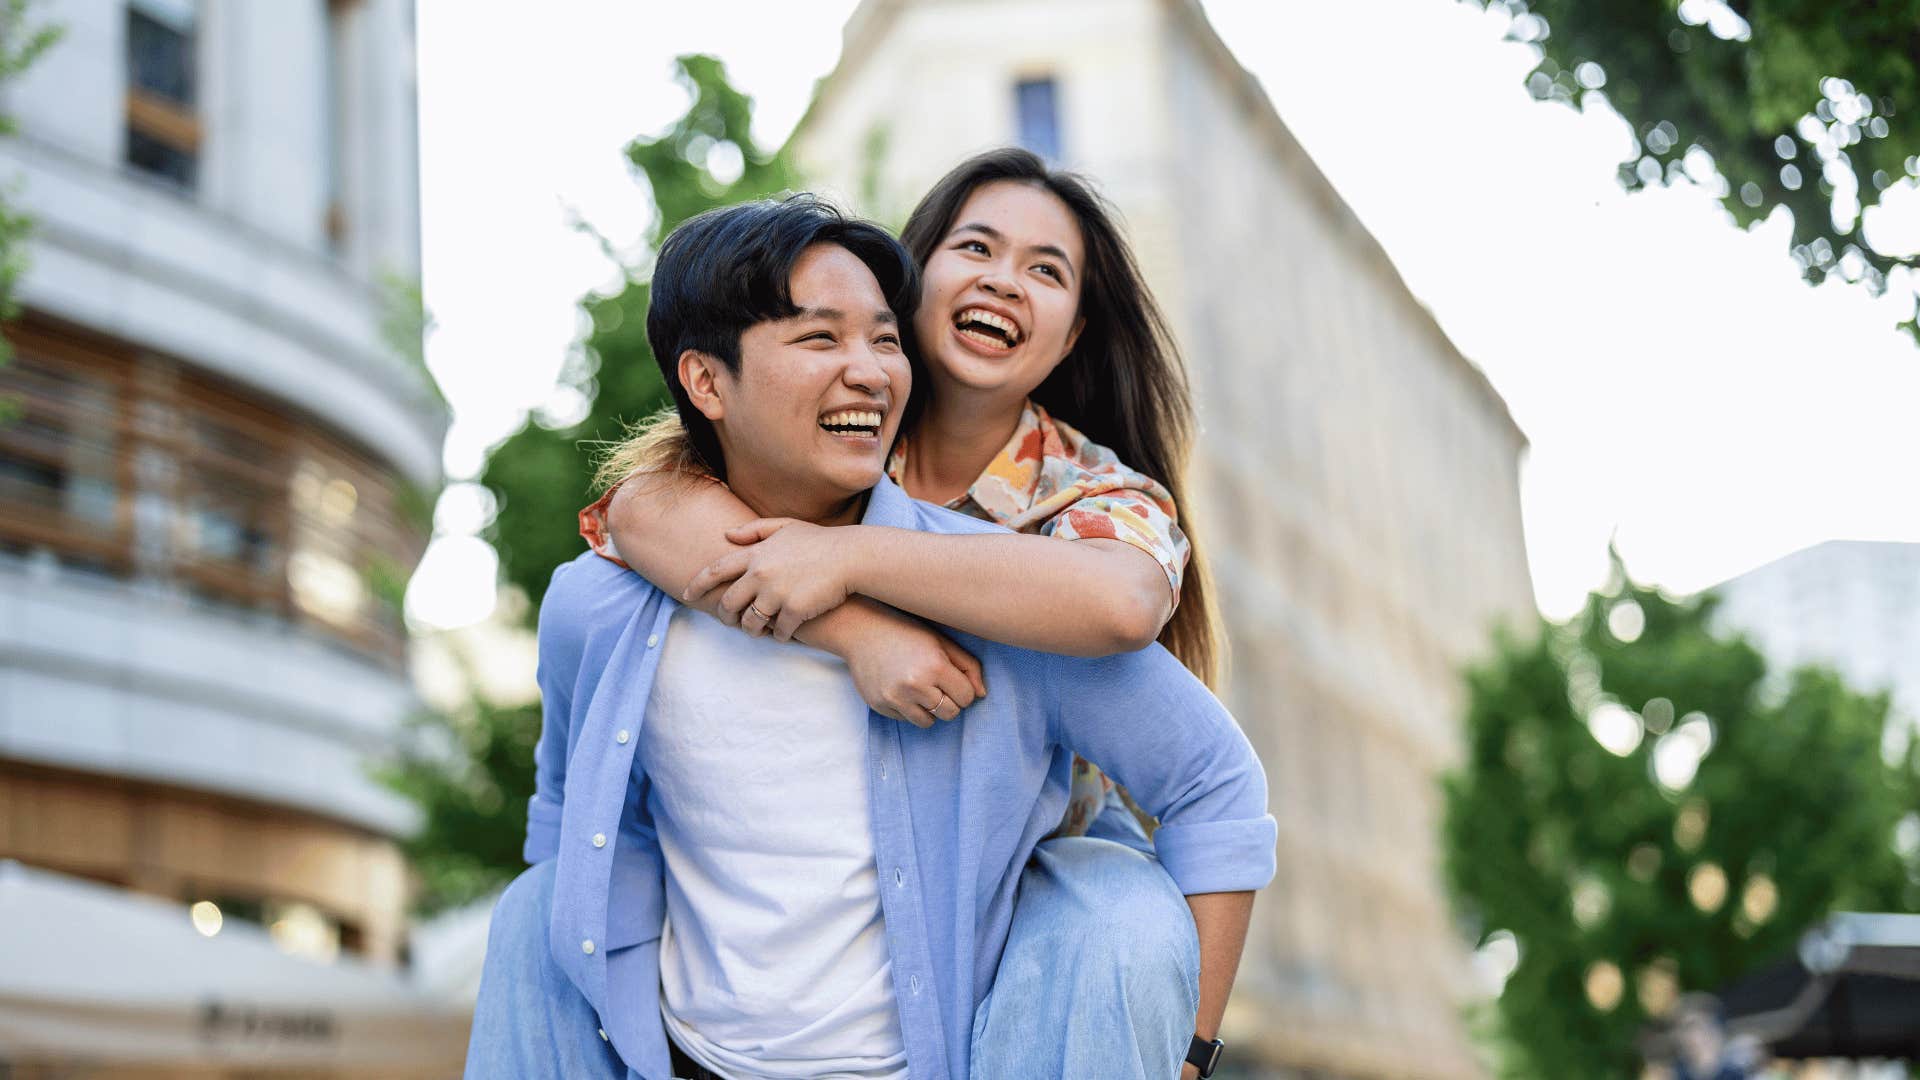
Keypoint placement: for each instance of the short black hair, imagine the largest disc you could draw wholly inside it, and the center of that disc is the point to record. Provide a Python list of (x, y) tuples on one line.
[(726, 270)]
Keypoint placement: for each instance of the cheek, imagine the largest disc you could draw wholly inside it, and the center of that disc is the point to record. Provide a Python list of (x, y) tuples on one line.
[(1060, 313)]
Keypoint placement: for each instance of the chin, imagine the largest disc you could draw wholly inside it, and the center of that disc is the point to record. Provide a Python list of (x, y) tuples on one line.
[(853, 482)]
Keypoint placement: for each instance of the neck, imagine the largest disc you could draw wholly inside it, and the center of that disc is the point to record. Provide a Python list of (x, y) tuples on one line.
[(956, 440), (774, 496)]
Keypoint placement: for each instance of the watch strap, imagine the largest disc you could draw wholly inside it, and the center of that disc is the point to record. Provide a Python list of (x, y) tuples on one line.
[(1204, 1054)]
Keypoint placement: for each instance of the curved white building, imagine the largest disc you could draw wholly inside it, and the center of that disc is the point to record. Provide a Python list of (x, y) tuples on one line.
[(214, 477)]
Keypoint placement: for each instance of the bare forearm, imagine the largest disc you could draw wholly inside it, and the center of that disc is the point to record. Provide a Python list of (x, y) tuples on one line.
[(668, 527), (841, 630), (1221, 920), (1082, 598)]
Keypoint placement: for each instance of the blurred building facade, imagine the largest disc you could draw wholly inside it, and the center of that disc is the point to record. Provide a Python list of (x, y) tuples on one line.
[(215, 473), (1851, 605), (1357, 478)]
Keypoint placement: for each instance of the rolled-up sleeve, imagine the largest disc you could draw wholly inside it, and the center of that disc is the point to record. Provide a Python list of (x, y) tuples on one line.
[(1159, 731), (1132, 516)]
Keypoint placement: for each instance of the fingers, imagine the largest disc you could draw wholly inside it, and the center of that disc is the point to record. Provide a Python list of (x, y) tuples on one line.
[(756, 621), (948, 709), (970, 667), (757, 530), (910, 713), (787, 624), (956, 693), (717, 573)]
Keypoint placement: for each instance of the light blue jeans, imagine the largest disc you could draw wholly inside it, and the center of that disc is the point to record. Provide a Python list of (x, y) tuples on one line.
[(1100, 977)]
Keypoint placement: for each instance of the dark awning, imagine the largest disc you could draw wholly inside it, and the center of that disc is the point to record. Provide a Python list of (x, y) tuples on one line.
[(1852, 990)]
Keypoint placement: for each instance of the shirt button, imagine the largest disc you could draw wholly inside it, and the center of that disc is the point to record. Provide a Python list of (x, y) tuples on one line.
[(587, 946), (599, 839), (652, 640), (603, 1034), (899, 878), (914, 982), (622, 736)]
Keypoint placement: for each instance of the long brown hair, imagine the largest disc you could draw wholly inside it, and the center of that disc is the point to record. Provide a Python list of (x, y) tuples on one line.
[(1123, 385)]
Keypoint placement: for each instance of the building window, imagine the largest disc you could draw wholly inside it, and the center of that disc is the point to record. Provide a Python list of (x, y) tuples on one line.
[(130, 464), (163, 130), (1037, 114)]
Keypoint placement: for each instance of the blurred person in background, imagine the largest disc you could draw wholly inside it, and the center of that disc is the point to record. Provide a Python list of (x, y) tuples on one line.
[(1701, 1048), (727, 916)]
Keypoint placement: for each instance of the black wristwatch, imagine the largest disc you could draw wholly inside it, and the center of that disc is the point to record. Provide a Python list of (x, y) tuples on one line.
[(1204, 1054)]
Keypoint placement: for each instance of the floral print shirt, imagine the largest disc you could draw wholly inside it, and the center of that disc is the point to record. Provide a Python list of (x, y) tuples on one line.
[(1052, 480)]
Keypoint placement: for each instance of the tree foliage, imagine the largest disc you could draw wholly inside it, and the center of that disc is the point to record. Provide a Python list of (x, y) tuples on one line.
[(471, 773), (21, 43), (1802, 106), (1623, 877), (540, 476)]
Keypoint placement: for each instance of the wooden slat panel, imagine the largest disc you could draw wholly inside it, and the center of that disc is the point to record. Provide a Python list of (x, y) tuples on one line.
[(214, 454)]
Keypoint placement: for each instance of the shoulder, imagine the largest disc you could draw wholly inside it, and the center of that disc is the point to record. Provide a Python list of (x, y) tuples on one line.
[(928, 517), (1075, 461), (1066, 442), (589, 593)]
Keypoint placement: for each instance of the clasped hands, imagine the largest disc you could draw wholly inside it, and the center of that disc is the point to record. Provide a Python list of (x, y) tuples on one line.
[(785, 573)]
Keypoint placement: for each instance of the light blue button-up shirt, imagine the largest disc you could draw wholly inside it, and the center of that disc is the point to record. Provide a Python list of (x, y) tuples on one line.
[(957, 808)]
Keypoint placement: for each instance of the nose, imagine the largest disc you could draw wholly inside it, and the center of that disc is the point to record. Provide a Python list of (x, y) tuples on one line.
[(996, 282), (866, 372)]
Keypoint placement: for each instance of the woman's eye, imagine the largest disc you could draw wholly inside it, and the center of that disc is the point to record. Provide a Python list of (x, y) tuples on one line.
[(1049, 270), (974, 246)]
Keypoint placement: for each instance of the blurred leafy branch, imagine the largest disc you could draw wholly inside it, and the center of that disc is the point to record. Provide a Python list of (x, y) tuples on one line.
[(405, 323), (21, 43), (1731, 808), (1810, 107), (471, 773)]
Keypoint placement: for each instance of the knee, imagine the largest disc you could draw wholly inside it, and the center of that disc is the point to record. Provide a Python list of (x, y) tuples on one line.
[(1127, 919)]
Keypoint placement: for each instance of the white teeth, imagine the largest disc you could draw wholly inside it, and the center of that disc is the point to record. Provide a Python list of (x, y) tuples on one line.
[(988, 318), (851, 418)]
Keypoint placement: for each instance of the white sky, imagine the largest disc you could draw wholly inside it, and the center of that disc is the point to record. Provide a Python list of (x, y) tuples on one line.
[(1684, 392)]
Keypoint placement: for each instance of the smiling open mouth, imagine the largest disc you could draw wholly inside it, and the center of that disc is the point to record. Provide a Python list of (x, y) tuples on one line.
[(852, 422), (987, 328)]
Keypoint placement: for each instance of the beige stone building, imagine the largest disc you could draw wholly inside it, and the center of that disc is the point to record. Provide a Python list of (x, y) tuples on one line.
[(1357, 480)]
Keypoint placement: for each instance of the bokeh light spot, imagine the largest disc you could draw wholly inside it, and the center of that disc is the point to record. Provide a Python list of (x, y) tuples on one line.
[(1604, 985), (206, 918), (1707, 887)]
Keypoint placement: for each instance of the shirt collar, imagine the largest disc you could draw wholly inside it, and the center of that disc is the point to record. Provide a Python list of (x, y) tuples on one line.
[(888, 505), (1007, 487)]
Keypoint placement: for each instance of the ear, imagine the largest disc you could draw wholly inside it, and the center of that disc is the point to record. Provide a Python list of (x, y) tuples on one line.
[(700, 374), (1073, 336)]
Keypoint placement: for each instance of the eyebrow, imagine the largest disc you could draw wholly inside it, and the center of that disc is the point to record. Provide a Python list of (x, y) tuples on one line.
[(996, 236), (881, 315)]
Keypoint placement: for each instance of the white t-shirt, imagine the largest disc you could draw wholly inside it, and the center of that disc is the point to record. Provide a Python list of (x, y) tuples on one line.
[(773, 961)]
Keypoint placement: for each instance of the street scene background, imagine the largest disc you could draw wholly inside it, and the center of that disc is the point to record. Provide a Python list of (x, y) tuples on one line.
[(1555, 365)]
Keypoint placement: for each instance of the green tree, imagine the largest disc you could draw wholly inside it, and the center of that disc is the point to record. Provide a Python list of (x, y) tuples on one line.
[(1805, 106), (20, 45), (1628, 867), (541, 475), (472, 772)]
